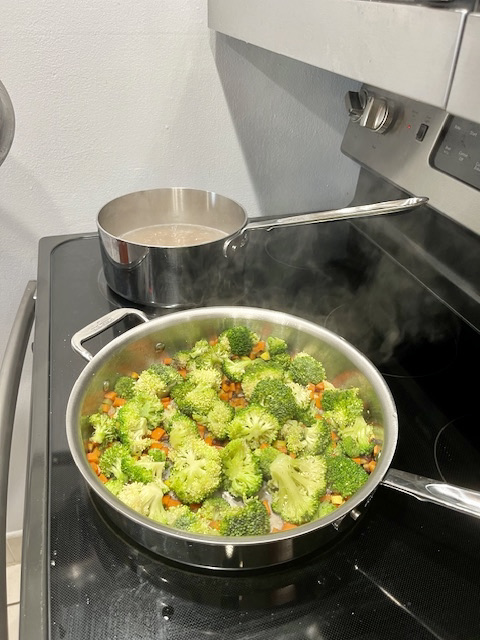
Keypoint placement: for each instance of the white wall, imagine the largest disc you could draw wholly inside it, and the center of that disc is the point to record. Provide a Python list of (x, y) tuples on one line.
[(119, 96)]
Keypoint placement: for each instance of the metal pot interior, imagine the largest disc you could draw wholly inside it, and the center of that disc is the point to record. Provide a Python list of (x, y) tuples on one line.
[(139, 347), (170, 206)]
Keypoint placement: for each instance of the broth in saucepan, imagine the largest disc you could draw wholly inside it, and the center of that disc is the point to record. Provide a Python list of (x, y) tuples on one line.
[(174, 235)]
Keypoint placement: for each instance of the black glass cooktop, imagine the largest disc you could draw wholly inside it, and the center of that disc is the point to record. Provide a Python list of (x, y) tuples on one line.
[(407, 569)]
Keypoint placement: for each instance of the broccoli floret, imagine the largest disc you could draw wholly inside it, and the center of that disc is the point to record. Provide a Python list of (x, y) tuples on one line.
[(114, 462), (357, 439), (182, 429), (181, 359), (259, 370), (158, 455), (182, 517), (191, 398), (265, 456), (235, 369), (114, 486), (241, 340), (301, 394), (298, 484), (124, 387), (218, 419), (344, 476), (205, 377), (146, 499), (150, 383), (325, 508), (213, 509), (255, 424), (333, 449), (103, 428), (282, 360), (138, 415), (341, 407), (305, 369), (199, 348), (154, 467), (196, 471), (301, 439), (242, 474), (276, 345), (276, 397), (250, 519), (168, 374)]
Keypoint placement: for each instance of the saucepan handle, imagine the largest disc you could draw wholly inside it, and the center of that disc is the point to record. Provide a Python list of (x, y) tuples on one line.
[(441, 493), (96, 327)]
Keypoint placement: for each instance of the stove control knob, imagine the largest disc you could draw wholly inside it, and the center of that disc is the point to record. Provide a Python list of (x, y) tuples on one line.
[(369, 110)]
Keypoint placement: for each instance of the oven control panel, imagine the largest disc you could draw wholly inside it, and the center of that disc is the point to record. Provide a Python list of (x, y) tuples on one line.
[(458, 151), (424, 151)]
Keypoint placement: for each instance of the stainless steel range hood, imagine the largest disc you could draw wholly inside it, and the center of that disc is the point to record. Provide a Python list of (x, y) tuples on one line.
[(407, 48)]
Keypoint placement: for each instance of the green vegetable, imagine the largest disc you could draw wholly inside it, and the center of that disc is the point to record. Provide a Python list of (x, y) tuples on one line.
[(259, 370), (251, 519), (242, 474), (104, 429), (240, 339), (344, 476), (341, 407), (196, 471), (276, 397), (305, 369), (124, 387), (276, 345), (255, 424), (298, 484)]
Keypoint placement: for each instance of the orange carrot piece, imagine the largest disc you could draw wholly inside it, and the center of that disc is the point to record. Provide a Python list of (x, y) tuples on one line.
[(168, 361), (318, 402), (214, 524), (183, 372), (94, 455), (102, 478), (288, 525), (376, 450), (135, 375), (166, 401), (201, 430), (360, 460), (119, 402), (168, 501), (223, 395), (326, 498), (111, 395), (94, 466), (334, 436), (209, 440), (158, 433), (370, 466), (264, 445), (159, 445), (320, 386), (105, 408), (195, 506), (267, 506)]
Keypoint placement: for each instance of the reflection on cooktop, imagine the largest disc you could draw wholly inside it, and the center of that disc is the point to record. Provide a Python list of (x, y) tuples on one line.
[(457, 461)]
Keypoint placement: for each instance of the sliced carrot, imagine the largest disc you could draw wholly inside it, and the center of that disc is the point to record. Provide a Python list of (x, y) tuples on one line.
[(135, 375), (288, 525), (159, 445), (102, 478), (267, 506), (376, 450), (334, 436), (111, 395), (158, 433), (94, 455), (326, 498), (209, 440), (168, 501), (166, 401), (201, 429), (183, 372), (223, 395), (264, 445), (168, 361), (318, 402), (195, 506), (320, 386), (292, 455), (360, 460), (370, 466), (105, 408), (280, 445), (119, 402), (94, 466), (214, 524)]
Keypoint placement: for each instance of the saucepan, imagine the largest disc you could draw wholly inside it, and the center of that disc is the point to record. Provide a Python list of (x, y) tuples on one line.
[(173, 247), (138, 348)]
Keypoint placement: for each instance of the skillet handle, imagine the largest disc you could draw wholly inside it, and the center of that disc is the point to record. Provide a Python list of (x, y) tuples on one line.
[(96, 327), (428, 490)]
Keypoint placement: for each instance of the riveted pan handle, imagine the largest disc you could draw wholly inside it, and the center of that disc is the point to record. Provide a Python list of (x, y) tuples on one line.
[(96, 327), (428, 490)]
